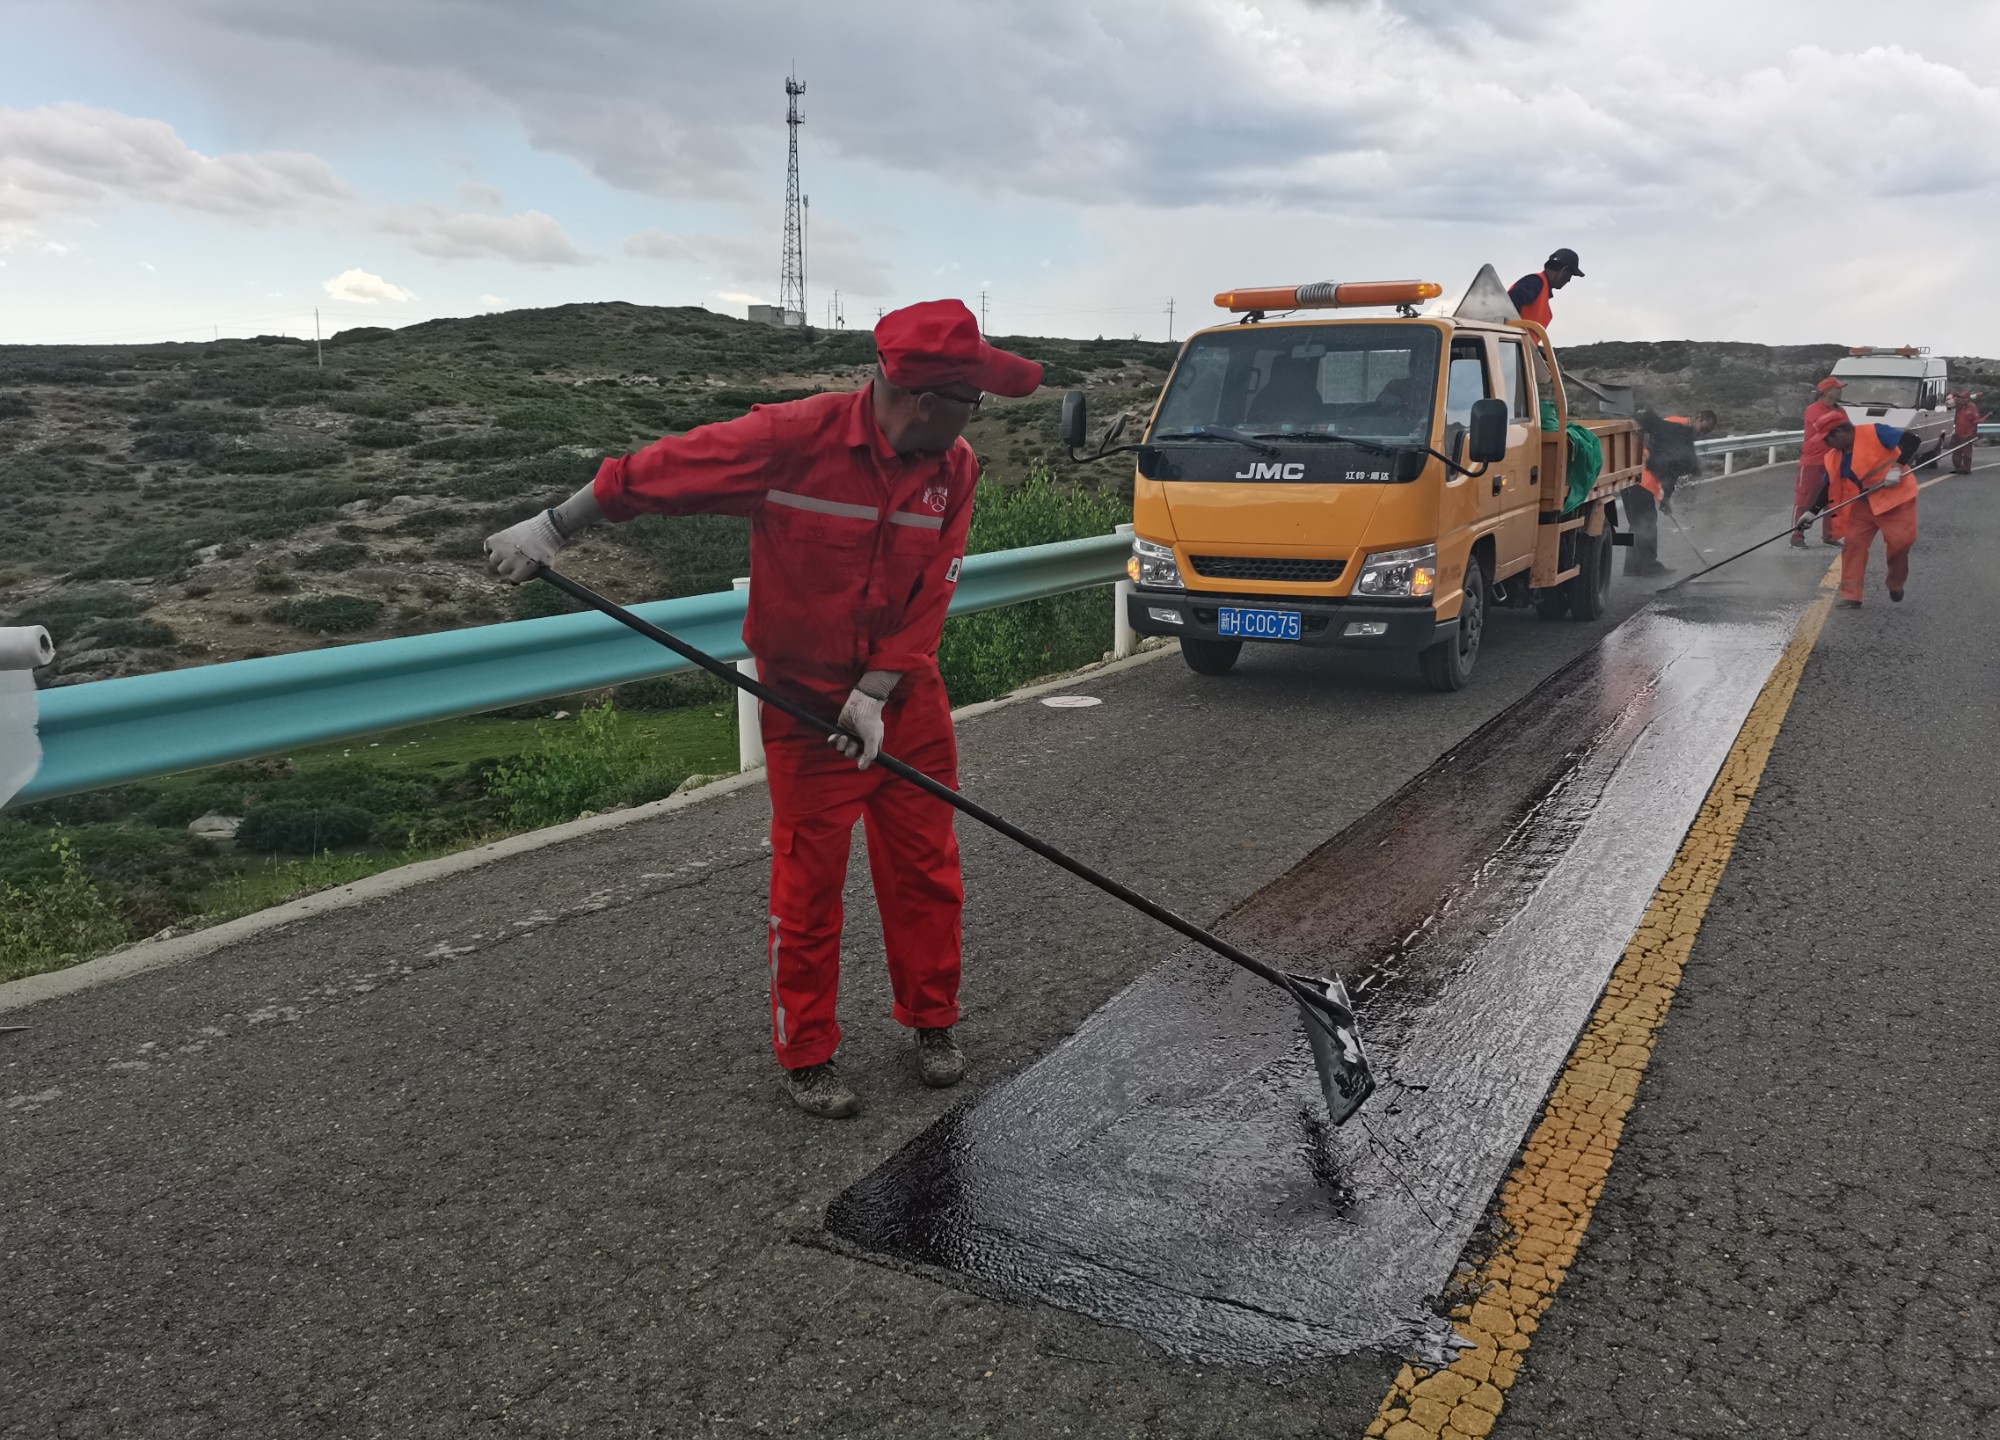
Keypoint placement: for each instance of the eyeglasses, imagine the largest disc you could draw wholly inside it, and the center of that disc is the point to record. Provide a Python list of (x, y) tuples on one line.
[(977, 398)]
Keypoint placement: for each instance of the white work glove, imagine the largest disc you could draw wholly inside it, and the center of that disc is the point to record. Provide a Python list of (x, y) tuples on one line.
[(516, 553), (862, 716)]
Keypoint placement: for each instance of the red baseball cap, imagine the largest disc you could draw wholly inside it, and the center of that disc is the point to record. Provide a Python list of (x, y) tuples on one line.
[(1832, 420), (937, 343), (1830, 384)]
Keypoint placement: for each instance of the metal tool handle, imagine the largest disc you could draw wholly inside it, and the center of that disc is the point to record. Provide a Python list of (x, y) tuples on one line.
[(1316, 1004)]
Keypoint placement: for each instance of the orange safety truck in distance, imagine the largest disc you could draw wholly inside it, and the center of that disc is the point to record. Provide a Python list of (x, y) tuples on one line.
[(1374, 482)]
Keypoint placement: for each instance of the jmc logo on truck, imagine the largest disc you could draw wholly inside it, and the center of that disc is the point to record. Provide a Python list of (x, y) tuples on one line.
[(1269, 471)]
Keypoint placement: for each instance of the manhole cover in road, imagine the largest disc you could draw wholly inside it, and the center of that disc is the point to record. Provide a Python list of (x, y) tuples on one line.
[(1070, 702)]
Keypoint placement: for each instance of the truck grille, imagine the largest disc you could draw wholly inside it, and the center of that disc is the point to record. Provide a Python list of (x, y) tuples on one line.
[(1255, 567)]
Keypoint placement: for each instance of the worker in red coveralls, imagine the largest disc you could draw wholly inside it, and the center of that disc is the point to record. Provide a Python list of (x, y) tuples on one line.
[(1811, 478), (859, 504), (1964, 430)]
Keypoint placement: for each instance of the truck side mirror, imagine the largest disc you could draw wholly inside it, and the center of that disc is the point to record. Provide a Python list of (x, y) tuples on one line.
[(1075, 419), (1487, 432)]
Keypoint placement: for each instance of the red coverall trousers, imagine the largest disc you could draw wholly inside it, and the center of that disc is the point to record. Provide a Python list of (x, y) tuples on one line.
[(1858, 526), (816, 796)]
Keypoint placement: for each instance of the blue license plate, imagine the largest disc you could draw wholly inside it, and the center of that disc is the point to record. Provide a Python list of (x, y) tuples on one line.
[(1240, 624)]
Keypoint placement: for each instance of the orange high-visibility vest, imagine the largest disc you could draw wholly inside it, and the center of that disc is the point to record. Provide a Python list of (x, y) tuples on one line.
[(1537, 309), (1647, 479), (1871, 461)]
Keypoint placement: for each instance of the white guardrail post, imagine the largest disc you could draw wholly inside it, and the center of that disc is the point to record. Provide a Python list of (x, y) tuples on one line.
[(1124, 639), (749, 733), (1729, 462)]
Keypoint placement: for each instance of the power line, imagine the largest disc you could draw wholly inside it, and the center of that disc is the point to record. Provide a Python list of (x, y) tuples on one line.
[(1170, 319)]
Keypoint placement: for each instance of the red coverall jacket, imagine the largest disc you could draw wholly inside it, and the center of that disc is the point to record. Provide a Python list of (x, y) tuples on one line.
[(854, 554)]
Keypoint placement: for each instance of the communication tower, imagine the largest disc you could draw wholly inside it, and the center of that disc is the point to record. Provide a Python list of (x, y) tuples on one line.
[(792, 283)]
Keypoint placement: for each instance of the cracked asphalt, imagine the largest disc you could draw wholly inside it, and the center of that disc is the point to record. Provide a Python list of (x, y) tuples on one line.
[(505, 1154), (1801, 1232)]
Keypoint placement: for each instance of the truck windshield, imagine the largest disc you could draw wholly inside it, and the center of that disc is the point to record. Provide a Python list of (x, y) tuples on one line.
[(1898, 392), (1371, 382)]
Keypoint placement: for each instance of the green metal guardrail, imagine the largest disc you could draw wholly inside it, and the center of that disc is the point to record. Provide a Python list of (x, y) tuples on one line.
[(110, 731)]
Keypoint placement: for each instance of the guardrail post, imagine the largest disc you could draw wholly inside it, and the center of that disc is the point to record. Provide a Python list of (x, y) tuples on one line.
[(1729, 462), (1124, 639), (749, 734), (1772, 458)]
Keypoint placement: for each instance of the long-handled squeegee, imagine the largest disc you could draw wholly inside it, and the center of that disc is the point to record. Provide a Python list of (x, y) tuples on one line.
[(1331, 1031), (1799, 526)]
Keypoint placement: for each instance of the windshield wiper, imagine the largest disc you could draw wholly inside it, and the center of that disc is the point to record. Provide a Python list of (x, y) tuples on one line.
[(1220, 432), (1323, 437)]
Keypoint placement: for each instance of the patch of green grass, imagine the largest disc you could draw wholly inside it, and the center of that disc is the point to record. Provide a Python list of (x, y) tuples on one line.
[(327, 614), (335, 557), (57, 920), (594, 763)]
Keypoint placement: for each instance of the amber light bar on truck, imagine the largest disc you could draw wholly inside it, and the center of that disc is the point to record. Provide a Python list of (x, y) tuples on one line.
[(1908, 352), (1327, 295)]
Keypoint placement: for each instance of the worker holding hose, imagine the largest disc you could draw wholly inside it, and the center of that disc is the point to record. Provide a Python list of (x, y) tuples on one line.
[(1820, 414), (859, 504), (1875, 459)]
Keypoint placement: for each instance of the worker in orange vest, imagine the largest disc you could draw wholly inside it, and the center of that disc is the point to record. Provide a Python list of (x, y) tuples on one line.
[(1530, 293), (1964, 430), (1670, 458), (1875, 460), (1825, 408)]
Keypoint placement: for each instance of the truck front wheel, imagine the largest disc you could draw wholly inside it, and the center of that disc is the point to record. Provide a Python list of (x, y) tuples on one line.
[(1448, 664), (1210, 657)]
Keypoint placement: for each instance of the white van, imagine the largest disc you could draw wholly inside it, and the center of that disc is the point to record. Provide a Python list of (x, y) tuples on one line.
[(1905, 388)]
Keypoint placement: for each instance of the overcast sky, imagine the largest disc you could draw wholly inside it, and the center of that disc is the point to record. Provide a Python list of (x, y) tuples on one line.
[(1761, 171)]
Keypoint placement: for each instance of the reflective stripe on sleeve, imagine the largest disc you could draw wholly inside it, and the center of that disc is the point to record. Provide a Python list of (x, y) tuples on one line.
[(822, 507), (911, 517)]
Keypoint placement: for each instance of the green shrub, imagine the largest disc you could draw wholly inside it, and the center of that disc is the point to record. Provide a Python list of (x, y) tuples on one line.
[(552, 470), (590, 763), (66, 615), (136, 634), (149, 555), (327, 614), (494, 445), (990, 653), (682, 690), (382, 434), (58, 920), (297, 827), (332, 557)]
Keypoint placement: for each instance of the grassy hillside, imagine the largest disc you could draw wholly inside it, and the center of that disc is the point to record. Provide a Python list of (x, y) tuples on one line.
[(1750, 388), (164, 505)]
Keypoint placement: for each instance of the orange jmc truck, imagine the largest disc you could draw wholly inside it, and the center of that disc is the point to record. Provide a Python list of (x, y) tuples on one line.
[(1370, 481)]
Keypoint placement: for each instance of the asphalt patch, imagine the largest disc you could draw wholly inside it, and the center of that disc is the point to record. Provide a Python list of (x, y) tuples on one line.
[(1168, 1168)]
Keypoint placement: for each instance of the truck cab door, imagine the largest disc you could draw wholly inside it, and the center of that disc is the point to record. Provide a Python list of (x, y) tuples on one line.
[(1513, 497)]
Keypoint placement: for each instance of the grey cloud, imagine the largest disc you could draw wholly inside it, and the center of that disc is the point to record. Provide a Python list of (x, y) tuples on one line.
[(839, 258), (530, 238), (75, 159)]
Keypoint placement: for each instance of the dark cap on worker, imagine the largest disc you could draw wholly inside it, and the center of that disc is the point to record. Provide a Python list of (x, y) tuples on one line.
[(937, 343), (1566, 258)]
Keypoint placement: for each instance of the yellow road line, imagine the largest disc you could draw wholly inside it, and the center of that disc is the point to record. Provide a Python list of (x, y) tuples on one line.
[(1546, 1204)]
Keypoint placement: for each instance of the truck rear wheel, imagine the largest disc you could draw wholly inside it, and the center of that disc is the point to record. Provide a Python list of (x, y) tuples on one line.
[(1210, 657), (1448, 664), (1589, 590)]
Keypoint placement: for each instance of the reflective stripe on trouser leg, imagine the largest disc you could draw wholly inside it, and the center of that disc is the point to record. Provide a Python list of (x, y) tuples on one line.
[(808, 870)]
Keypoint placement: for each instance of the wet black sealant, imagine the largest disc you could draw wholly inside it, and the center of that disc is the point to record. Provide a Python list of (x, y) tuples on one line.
[(1168, 1167)]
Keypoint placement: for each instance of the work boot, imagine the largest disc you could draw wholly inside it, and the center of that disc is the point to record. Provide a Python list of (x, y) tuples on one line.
[(1798, 541), (1847, 604), (819, 1090), (940, 1063), (1897, 596)]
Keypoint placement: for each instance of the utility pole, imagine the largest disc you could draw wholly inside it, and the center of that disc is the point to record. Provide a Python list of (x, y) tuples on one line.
[(1170, 319), (318, 348), (982, 312), (839, 316), (792, 275)]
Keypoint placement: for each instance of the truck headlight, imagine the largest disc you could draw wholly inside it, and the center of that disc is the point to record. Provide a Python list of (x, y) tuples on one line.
[(1399, 574), (1153, 566)]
